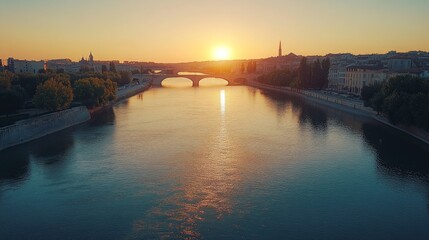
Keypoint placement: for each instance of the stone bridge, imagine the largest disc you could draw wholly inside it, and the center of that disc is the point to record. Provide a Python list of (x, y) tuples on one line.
[(156, 79)]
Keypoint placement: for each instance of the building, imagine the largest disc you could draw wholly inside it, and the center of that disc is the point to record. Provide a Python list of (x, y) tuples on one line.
[(1, 66), (358, 77), (400, 63), (337, 77), (280, 49), (25, 66)]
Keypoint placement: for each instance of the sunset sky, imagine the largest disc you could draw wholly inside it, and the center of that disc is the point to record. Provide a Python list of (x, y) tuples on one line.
[(189, 30)]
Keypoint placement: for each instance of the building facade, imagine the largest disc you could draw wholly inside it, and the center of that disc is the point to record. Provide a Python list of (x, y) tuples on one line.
[(25, 66), (358, 77), (337, 77)]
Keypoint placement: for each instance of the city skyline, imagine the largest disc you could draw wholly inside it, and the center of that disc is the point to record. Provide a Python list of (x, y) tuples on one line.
[(167, 31)]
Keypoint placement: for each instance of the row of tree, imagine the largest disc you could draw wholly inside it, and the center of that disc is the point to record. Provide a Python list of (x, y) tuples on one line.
[(57, 91), (307, 76), (29, 82), (284, 78), (313, 75), (404, 99)]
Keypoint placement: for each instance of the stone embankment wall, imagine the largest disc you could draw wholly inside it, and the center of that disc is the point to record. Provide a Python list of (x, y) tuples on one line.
[(33, 128), (131, 91), (348, 105), (351, 106)]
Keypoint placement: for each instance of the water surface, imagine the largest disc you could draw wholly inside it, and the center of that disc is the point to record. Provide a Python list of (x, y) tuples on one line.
[(217, 162)]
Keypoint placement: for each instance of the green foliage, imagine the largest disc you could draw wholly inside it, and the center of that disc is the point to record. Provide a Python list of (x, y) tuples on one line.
[(279, 78), (5, 81), (95, 91), (30, 81), (404, 99), (368, 92), (124, 79), (11, 100), (54, 94), (313, 75)]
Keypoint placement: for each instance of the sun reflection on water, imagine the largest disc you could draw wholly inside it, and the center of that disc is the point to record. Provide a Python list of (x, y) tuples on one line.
[(204, 190)]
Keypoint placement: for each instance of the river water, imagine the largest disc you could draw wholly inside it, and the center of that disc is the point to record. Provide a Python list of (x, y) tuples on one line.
[(217, 163)]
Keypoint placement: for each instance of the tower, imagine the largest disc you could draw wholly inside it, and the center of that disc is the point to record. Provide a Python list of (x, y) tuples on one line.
[(91, 58), (280, 49)]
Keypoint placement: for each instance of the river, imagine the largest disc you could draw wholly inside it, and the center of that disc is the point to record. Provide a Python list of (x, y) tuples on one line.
[(224, 162)]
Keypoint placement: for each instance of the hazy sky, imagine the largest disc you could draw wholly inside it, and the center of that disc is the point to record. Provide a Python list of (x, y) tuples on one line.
[(188, 30)]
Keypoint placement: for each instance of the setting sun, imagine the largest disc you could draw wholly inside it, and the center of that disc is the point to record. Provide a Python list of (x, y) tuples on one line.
[(221, 53)]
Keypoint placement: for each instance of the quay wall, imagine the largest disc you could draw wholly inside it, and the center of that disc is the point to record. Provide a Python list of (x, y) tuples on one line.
[(346, 105), (37, 127)]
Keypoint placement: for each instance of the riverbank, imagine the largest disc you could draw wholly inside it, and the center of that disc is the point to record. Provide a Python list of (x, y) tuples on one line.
[(351, 106), (33, 128), (122, 94)]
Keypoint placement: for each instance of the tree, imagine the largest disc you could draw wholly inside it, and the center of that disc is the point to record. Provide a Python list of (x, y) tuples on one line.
[(316, 75), (5, 82), (54, 94), (103, 68), (135, 71), (303, 73), (125, 78), (11, 99), (94, 91), (404, 99), (368, 92), (326, 64), (112, 67)]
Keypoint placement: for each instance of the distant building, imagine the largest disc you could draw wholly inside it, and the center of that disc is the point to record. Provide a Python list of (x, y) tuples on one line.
[(280, 49), (358, 77), (1, 66), (25, 66), (400, 63), (337, 76), (91, 58)]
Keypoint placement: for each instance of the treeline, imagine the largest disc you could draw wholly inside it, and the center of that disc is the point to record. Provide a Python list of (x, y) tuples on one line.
[(52, 91), (284, 78), (403, 99), (313, 75), (307, 76)]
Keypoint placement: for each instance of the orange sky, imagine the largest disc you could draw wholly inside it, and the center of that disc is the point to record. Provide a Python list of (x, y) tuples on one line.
[(189, 30)]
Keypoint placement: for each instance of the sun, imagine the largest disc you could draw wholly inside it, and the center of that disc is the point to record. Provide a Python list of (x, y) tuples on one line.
[(221, 53)]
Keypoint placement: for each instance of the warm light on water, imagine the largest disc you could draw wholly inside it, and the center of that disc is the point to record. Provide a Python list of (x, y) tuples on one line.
[(178, 82), (182, 82), (222, 102), (217, 163), (213, 82)]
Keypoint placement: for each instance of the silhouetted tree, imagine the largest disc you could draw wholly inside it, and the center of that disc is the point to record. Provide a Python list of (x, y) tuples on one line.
[(112, 67), (303, 73), (103, 68), (54, 94), (95, 91)]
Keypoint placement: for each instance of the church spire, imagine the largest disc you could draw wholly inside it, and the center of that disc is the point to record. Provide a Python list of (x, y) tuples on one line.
[(280, 49), (91, 58)]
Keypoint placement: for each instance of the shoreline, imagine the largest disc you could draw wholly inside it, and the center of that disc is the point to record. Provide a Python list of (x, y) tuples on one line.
[(31, 129), (344, 105), (122, 95)]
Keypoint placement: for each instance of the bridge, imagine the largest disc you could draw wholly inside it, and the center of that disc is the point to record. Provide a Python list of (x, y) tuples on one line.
[(156, 79)]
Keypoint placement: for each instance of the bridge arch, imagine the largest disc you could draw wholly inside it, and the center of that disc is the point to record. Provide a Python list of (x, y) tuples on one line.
[(213, 82), (176, 82)]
